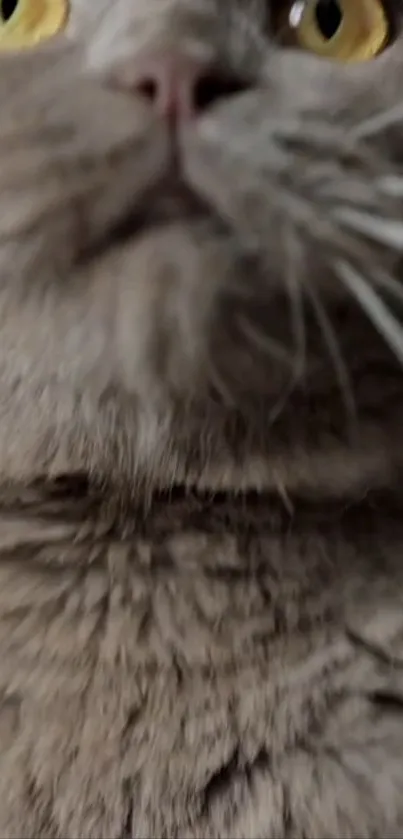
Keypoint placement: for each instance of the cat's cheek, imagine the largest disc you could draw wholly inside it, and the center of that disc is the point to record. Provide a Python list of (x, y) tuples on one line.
[(237, 168), (75, 156), (48, 228)]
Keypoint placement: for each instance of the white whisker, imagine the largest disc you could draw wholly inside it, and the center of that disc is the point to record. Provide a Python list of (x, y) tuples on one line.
[(391, 185), (294, 288), (334, 351), (387, 325), (388, 284), (292, 253), (388, 232), (218, 383), (378, 123), (264, 342)]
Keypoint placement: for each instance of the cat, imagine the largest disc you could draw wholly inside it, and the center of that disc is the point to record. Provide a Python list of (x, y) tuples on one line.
[(201, 508)]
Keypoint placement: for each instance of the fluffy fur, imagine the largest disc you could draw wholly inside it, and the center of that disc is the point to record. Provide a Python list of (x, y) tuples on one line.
[(201, 628)]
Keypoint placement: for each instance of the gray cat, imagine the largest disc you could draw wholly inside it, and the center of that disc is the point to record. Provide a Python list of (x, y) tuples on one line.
[(201, 507)]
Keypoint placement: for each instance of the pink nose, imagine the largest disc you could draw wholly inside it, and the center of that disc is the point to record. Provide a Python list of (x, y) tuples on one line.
[(177, 86)]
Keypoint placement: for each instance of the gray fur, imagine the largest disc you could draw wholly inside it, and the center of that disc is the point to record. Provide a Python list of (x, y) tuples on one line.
[(201, 531)]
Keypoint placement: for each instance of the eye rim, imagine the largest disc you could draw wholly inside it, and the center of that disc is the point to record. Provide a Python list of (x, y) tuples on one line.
[(287, 36), (33, 22), (5, 20)]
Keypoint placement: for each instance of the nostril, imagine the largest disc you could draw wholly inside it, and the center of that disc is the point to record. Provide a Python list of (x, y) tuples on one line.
[(212, 87), (177, 86), (148, 88)]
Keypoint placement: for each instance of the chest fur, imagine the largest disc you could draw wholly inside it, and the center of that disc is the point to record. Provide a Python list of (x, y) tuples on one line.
[(213, 667)]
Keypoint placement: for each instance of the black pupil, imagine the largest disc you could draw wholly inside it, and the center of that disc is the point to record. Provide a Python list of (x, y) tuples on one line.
[(7, 8), (328, 17)]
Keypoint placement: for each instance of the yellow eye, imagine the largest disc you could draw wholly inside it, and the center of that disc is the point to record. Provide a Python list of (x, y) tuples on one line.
[(343, 30), (24, 23)]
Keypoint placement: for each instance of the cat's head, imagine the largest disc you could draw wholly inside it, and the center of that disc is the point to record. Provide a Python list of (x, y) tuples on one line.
[(200, 235)]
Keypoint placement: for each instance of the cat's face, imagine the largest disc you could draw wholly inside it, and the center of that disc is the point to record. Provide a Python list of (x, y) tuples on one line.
[(162, 280)]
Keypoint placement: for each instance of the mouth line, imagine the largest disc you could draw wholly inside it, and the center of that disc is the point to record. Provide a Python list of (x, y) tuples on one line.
[(164, 205)]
